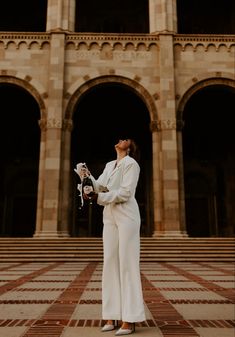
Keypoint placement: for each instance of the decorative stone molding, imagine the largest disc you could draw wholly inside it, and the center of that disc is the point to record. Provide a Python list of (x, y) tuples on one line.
[(156, 96), (159, 125), (54, 123), (45, 95), (180, 124), (194, 42), (42, 124), (155, 126), (177, 96), (28, 78), (167, 124), (112, 37), (204, 38), (137, 78), (51, 123), (67, 125), (42, 40), (114, 42)]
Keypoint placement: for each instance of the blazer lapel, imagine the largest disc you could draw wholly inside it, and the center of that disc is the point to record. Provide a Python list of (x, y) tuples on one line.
[(118, 166)]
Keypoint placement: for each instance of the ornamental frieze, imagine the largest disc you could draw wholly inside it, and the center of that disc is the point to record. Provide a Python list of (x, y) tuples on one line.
[(207, 42), (19, 40), (50, 123), (68, 125), (166, 124), (115, 55), (135, 43)]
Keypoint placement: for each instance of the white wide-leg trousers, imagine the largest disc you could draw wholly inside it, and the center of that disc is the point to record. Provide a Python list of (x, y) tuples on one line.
[(122, 297)]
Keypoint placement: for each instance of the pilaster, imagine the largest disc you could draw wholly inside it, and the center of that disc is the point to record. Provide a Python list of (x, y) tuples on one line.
[(162, 16), (181, 177), (61, 15), (65, 201), (157, 179), (50, 167), (169, 153)]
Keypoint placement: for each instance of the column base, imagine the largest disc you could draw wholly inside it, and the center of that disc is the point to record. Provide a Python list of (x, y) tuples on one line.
[(46, 234), (170, 234), (64, 234)]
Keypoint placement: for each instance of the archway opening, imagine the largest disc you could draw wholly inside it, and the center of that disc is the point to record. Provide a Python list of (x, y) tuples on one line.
[(19, 148), (209, 162), (103, 115)]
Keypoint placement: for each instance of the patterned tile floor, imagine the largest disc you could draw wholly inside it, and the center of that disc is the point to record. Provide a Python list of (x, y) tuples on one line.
[(182, 299)]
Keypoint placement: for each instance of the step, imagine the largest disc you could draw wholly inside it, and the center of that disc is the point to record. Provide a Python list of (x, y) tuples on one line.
[(95, 259), (95, 251), (99, 239), (91, 249)]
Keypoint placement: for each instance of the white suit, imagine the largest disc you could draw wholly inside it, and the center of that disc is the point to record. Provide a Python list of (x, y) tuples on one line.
[(122, 297)]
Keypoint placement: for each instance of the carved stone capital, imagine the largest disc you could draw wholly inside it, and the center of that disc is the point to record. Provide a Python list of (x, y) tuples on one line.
[(54, 123), (50, 123), (42, 124), (180, 124), (154, 125), (167, 124), (67, 125)]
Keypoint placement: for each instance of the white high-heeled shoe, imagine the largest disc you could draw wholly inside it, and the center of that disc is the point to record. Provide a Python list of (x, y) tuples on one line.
[(122, 332), (109, 327)]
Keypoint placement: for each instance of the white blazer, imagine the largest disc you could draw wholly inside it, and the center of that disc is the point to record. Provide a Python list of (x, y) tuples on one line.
[(116, 188)]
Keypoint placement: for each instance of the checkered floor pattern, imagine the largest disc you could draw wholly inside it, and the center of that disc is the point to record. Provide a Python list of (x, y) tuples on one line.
[(182, 299)]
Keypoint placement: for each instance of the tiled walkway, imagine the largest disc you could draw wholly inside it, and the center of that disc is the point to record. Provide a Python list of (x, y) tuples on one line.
[(182, 299)]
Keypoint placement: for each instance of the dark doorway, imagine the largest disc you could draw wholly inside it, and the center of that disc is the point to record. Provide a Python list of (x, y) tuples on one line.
[(209, 162), (102, 116), (105, 16), (19, 148), (23, 16), (206, 17)]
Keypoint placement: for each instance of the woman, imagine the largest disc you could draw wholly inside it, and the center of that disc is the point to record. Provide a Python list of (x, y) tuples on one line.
[(122, 297)]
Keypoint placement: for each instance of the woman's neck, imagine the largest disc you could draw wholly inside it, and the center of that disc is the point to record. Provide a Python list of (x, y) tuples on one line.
[(120, 155)]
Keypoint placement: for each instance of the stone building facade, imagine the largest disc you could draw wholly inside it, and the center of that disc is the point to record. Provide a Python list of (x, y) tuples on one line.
[(163, 70)]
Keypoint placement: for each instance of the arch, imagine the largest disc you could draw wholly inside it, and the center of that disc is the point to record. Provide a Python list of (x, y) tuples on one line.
[(20, 150), (200, 85), (97, 104), (132, 84), (205, 148), (23, 83)]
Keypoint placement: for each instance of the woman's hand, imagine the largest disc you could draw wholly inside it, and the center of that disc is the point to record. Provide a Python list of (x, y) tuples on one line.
[(82, 170)]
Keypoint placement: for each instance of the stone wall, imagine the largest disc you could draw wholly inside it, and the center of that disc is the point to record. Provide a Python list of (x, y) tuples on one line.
[(59, 65)]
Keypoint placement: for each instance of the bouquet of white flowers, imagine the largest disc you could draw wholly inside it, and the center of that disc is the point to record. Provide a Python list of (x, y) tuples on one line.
[(86, 185)]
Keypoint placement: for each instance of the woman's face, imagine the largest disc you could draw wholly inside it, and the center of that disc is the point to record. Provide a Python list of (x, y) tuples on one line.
[(123, 144)]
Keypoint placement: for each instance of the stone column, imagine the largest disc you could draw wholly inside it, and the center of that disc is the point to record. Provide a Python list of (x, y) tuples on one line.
[(181, 178), (66, 171), (61, 15), (50, 167), (157, 180), (162, 16), (38, 229), (48, 204)]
